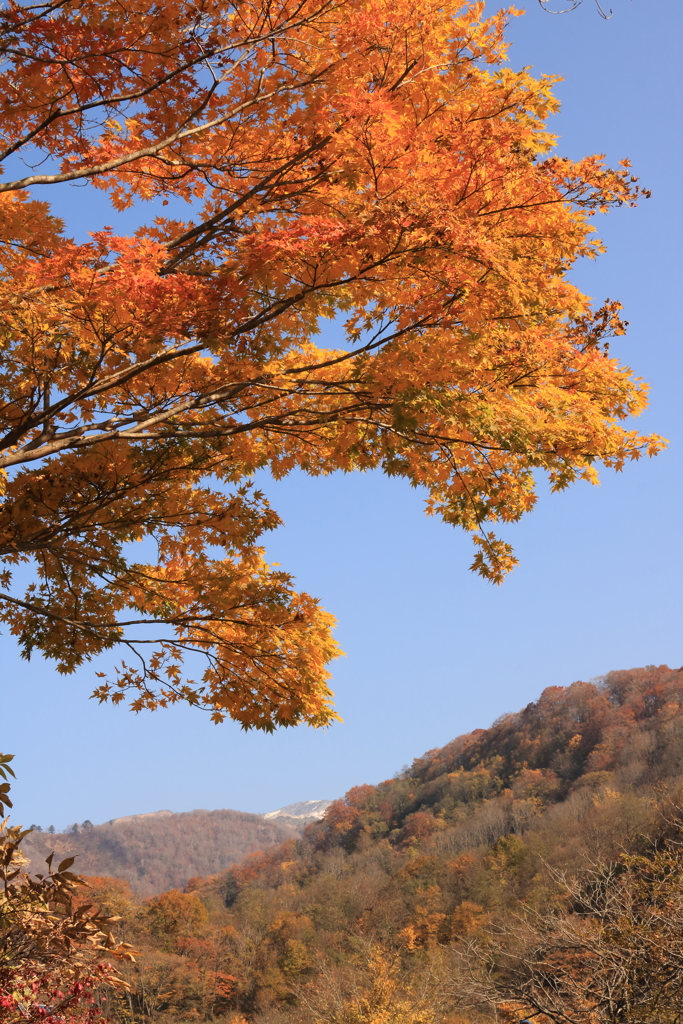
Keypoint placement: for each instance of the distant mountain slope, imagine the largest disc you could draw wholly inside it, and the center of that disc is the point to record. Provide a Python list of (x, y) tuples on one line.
[(139, 817), (162, 850), (374, 914)]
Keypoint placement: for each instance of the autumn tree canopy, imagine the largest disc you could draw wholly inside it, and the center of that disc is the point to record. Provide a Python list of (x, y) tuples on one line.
[(368, 161)]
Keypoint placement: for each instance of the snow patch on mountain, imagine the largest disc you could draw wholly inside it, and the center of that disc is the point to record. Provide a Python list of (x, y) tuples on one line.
[(304, 809)]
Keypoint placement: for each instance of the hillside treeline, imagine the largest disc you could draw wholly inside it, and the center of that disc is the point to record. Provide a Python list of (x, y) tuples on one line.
[(532, 869), (158, 852)]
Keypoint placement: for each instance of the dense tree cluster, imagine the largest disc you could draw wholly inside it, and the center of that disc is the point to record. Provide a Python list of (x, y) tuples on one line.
[(452, 893)]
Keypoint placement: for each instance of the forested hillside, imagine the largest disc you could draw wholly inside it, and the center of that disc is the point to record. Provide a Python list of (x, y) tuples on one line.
[(620, 735), (409, 902), (154, 852)]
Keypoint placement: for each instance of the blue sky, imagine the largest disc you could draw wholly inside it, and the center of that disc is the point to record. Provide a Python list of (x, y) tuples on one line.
[(431, 650)]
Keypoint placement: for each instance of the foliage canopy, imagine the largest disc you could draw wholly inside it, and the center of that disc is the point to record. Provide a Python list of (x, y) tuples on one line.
[(370, 162)]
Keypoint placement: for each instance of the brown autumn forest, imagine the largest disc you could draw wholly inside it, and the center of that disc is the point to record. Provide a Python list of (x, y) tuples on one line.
[(530, 869), (162, 851)]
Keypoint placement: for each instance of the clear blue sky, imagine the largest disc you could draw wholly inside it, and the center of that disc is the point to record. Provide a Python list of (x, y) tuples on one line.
[(431, 650)]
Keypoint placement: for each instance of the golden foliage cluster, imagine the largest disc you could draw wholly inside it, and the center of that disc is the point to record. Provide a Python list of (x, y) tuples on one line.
[(369, 162)]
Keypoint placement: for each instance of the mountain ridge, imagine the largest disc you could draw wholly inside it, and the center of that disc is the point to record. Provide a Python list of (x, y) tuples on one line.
[(376, 913), (161, 850)]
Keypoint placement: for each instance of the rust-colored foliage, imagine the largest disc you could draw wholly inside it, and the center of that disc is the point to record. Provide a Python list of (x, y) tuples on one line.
[(526, 885), (371, 162), (56, 949)]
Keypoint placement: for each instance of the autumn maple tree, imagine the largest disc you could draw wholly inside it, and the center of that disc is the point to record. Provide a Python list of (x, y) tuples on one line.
[(372, 162)]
